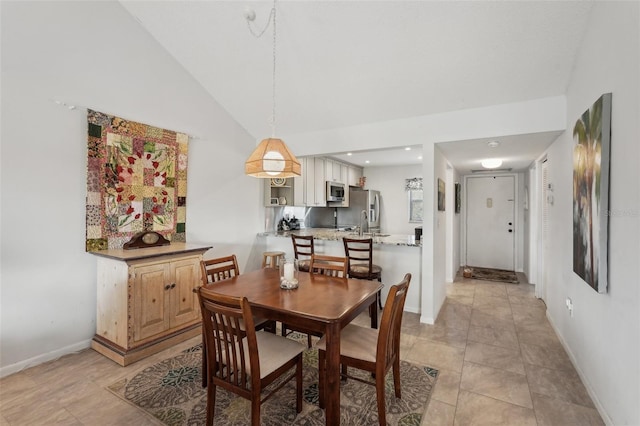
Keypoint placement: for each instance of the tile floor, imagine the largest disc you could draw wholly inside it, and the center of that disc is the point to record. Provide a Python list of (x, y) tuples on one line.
[(500, 364)]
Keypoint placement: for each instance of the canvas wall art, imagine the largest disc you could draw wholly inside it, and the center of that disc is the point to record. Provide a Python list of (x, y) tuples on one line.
[(136, 181), (441, 200), (458, 197), (592, 137)]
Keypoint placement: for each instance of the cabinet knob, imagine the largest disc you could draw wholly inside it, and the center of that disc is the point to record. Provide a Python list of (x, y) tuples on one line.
[(173, 285), (167, 287)]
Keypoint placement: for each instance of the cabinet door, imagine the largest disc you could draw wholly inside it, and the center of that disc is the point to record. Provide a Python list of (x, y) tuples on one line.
[(185, 274), (320, 197), (336, 169), (344, 174), (299, 186), (355, 173), (310, 181), (150, 300)]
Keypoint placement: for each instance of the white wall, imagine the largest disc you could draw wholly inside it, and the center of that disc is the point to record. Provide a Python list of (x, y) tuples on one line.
[(434, 236), (390, 181), (94, 54), (526, 226), (603, 336)]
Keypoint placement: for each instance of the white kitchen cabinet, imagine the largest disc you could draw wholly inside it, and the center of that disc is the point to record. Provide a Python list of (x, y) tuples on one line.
[(300, 184), (278, 195), (319, 184), (344, 174), (333, 171), (355, 173)]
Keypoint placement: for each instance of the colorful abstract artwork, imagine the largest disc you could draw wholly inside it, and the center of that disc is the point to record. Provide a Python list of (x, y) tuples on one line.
[(136, 181), (592, 136)]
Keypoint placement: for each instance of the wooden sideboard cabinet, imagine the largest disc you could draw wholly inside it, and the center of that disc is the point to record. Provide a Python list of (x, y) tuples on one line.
[(145, 300)]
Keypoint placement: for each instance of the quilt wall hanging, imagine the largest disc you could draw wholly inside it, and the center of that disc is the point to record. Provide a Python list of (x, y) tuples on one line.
[(136, 181)]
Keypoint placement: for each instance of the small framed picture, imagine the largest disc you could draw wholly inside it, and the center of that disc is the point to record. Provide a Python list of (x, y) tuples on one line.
[(440, 195)]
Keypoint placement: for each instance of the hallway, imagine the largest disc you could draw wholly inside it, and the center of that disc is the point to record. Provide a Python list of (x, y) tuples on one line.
[(500, 361)]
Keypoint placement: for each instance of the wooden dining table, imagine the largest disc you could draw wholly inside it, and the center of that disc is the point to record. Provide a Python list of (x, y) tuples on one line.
[(320, 303)]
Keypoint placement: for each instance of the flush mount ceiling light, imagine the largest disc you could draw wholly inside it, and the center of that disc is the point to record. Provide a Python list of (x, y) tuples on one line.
[(493, 144), (272, 157), (491, 163)]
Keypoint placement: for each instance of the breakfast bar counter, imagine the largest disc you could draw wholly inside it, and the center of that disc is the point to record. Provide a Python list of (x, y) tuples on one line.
[(330, 234), (397, 254)]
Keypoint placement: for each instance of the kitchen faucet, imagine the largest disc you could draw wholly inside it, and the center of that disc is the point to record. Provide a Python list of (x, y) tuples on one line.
[(363, 215)]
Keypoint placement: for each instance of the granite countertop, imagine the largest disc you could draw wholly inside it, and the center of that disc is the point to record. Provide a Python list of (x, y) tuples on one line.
[(336, 234)]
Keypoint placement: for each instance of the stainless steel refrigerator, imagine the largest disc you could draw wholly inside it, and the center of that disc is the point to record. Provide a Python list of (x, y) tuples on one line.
[(361, 200)]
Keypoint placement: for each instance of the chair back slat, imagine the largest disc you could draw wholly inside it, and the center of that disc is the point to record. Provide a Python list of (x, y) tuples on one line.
[(219, 269), (358, 251), (332, 266), (302, 245), (235, 357), (390, 325)]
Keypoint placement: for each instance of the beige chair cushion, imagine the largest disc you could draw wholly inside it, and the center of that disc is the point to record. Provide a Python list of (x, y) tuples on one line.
[(356, 342), (273, 351), (363, 268)]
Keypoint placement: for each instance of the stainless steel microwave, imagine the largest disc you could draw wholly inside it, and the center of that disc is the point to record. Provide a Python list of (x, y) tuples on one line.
[(335, 191)]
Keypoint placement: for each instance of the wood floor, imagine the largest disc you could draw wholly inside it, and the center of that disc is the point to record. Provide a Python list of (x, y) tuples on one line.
[(500, 363)]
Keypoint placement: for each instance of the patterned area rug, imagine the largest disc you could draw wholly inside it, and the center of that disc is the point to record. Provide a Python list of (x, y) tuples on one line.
[(171, 391), (490, 274)]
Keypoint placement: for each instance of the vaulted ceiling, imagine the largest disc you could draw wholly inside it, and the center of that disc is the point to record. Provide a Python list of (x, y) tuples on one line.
[(345, 63)]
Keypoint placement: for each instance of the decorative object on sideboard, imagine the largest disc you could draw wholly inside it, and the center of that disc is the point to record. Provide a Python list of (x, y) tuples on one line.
[(592, 136), (146, 239), (272, 157), (278, 181)]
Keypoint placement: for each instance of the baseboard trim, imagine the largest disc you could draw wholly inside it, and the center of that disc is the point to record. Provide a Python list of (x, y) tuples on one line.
[(427, 320), (587, 384), (41, 359)]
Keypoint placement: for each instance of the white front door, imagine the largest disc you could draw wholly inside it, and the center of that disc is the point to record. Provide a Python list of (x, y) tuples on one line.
[(490, 222)]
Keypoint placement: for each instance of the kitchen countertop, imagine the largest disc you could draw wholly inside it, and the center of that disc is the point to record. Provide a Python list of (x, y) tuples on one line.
[(336, 235)]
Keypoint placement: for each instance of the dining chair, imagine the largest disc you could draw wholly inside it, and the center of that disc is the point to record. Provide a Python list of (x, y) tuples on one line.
[(303, 250), (359, 254), (222, 268), (332, 266), (356, 343), (245, 362)]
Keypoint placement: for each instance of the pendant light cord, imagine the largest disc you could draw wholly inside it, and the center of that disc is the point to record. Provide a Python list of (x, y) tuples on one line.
[(272, 16), (273, 77)]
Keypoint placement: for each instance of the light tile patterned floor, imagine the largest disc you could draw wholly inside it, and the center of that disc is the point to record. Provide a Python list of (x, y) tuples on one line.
[(500, 364), (500, 361)]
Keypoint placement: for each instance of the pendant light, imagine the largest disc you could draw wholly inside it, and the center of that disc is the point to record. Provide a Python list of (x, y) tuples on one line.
[(272, 157)]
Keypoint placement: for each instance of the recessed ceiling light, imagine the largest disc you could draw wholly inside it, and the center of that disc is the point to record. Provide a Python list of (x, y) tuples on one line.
[(408, 148), (367, 161), (349, 153), (493, 144), (491, 163), (420, 158)]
